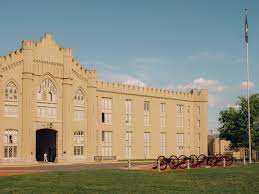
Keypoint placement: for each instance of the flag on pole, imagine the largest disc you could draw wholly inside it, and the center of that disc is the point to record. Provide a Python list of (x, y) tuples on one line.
[(246, 28)]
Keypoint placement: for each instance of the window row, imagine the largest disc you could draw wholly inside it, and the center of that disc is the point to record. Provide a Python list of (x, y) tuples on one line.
[(10, 143), (107, 146), (46, 101), (106, 115)]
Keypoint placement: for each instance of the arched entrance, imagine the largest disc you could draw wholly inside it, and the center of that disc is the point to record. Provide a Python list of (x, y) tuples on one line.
[(46, 142)]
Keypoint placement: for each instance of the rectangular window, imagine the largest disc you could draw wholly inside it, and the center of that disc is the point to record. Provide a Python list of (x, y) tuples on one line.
[(128, 112), (179, 115), (147, 144), (146, 113), (106, 143), (79, 143), (102, 117), (97, 153), (10, 143), (179, 144), (11, 109), (162, 115), (163, 143), (128, 144), (45, 110), (79, 115), (107, 110)]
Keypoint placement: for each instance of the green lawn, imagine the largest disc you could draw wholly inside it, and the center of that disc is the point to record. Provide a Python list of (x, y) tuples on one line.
[(218, 180)]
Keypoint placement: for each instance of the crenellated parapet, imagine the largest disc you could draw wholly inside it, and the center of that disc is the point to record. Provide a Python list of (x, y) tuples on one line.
[(91, 74), (47, 38), (67, 52), (11, 60), (28, 45), (45, 55), (81, 72), (193, 95)]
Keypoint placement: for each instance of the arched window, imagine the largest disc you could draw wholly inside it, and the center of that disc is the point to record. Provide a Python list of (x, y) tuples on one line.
[(10, 143), (79, 106), (11, 100), (79, 143), (47, 100)]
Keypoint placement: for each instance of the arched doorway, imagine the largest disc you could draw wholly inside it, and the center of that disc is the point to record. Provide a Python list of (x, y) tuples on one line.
[(46, 142)]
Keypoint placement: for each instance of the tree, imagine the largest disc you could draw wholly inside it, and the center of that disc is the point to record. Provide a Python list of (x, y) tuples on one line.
[(234, 127)]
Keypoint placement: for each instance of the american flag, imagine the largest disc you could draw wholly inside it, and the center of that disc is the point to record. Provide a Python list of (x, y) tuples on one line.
[(246, 28)]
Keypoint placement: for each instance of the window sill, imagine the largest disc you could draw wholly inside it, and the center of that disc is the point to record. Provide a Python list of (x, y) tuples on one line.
[(110, 124), (80, 157), (11, 116)]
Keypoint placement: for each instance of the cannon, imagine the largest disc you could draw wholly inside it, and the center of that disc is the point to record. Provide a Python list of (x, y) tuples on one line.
[(172, 162), (201, 161), (215, 160)]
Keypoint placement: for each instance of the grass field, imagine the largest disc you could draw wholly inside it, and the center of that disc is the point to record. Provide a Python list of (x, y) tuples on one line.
[(241, 179)]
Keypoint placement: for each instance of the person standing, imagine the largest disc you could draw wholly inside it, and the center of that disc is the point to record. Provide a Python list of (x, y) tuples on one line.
[(45, 157)]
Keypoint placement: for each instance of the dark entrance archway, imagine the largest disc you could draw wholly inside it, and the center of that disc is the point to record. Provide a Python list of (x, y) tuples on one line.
[(46, 142)]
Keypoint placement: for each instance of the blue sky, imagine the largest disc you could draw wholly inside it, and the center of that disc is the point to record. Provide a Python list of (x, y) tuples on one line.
[(168, 44)]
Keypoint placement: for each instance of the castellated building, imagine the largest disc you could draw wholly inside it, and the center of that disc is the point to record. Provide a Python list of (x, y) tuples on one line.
[(52, 104)]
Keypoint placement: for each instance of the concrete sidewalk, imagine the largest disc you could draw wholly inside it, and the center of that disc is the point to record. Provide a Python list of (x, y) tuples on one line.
[(73, 166)]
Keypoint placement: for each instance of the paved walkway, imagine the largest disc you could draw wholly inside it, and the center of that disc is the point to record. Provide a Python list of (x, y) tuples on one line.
[(72, 167)]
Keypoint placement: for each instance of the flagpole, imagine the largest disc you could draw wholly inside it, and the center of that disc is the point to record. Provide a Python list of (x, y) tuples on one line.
[(248, 100)]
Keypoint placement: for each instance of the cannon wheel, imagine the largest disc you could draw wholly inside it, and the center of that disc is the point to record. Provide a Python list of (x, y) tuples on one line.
[(182, 161), (228, 159), (219, 159), (202, 160), (211, 160), (163, 163), (193, 161), (173, 162)]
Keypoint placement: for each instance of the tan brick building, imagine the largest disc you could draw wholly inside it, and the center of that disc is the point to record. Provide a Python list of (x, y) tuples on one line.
[(50, 103)]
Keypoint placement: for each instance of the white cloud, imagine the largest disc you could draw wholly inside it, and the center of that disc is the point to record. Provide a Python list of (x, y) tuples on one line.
[(201, 83), (134, 81), (235, 106), (213, 87), (122, 78), (243, 85)]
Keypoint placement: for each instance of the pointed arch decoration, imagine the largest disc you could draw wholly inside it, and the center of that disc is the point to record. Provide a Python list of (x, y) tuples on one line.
[(11, 100), (47, 100), (79, 105)]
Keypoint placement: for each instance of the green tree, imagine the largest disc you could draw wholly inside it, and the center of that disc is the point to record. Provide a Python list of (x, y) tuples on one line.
[(234, 127)]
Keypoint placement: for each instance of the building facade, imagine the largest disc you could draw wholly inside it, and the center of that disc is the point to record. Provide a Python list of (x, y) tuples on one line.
[(222, 146), (52, 104)]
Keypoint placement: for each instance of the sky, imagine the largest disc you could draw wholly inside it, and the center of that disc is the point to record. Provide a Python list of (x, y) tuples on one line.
[(171, 44)]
